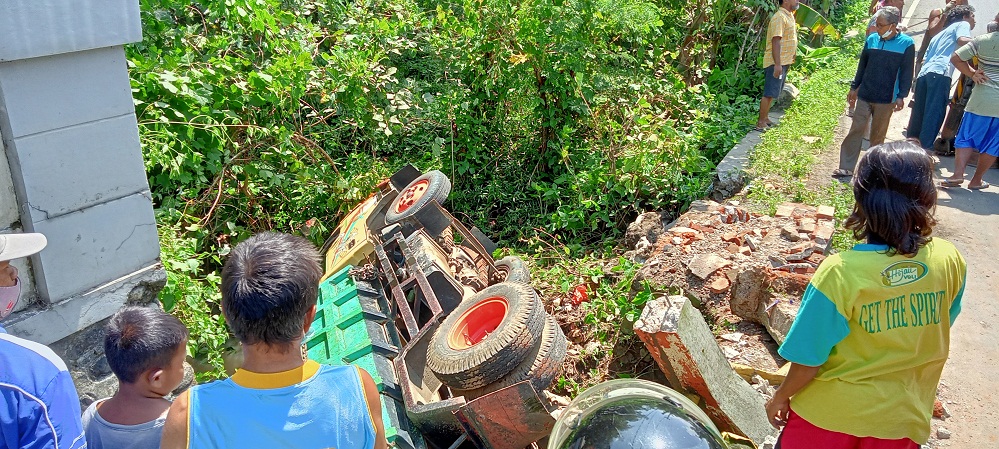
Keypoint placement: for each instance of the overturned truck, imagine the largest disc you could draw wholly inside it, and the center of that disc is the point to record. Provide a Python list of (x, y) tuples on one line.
[(459, 343)]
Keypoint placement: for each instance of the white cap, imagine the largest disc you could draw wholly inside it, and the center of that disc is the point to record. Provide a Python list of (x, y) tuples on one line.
[(13, 246)]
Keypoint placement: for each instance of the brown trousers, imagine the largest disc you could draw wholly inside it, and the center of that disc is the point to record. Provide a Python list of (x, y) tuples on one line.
[(879, 116)]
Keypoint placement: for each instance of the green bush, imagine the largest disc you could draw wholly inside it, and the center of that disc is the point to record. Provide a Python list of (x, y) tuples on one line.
[(560, 118)]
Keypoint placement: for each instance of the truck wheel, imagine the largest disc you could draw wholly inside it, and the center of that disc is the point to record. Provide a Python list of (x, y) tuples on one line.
[(431, 186), (540, 367), (513, 269), (486, 336)]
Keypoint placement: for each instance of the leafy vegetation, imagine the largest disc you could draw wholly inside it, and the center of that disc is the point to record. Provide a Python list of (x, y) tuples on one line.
[(557, 122)]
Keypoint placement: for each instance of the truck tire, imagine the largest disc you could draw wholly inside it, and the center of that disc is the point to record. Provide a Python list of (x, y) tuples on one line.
[(431, 186), (540, 367), (513, 269), (486, 336)]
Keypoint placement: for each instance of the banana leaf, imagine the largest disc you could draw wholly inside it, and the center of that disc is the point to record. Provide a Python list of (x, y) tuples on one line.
[(813, 21)]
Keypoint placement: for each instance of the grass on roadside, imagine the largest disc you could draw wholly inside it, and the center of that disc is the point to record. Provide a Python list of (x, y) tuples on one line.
[(782, 162)]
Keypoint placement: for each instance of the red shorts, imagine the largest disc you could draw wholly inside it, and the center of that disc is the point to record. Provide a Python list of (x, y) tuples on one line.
[(801, 434)]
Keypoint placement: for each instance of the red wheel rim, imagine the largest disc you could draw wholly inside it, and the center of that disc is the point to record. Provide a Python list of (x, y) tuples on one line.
[(477, 323), (411, 195)]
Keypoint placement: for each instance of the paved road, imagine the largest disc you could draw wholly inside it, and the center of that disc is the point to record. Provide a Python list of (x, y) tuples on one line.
[(918, 11), (970, 219)]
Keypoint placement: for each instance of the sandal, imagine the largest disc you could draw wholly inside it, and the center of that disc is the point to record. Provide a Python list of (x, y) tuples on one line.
[(943, 147), (841, 173), (951, 183), (983, 185)]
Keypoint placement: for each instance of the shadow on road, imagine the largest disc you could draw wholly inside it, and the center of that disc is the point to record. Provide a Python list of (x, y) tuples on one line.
[(978, 202)]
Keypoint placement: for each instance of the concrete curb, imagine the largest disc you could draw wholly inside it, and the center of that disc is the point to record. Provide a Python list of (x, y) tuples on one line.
[(732, 173)]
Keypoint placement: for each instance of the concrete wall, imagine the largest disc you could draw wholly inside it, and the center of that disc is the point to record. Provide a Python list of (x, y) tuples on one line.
[(72, 166), (10, 221)]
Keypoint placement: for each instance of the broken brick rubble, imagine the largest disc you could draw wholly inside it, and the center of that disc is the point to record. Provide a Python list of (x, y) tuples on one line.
[(748, 269)]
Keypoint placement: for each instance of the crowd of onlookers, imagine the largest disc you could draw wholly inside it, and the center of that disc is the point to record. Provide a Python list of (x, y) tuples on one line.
[(890, 68), (277, 398)]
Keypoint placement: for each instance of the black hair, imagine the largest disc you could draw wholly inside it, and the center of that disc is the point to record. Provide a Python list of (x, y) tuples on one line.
[(895, 198), (138, 339), (269, 283), (958, 13)]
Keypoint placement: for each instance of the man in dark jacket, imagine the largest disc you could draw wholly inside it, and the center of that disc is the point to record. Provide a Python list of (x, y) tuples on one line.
[(883, 79)]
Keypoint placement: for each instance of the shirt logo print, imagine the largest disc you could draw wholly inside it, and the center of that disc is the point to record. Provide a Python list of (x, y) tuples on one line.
[(903, 273)]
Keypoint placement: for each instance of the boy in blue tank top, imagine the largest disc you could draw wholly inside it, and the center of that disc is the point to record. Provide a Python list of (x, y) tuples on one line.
[(278, 398)]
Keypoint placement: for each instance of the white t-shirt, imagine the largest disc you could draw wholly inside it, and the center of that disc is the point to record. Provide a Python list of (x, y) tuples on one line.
[(102, 434)]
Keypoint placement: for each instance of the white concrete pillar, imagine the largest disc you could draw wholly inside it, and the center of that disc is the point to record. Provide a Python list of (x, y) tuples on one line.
[(75, 164)]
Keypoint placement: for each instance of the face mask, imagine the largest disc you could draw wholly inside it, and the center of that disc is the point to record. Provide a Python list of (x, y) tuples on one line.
[(8, 298), (886, 34)]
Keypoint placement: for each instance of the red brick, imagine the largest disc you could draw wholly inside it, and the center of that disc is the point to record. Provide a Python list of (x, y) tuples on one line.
[(816, 258), (745, 251), (702, 228), (787, 282), (807, 226), (800, 268), (939, 411), (784, 210), (825, 212), (719, 285), (732, 248), (681, 230), (731, 237), (799, 257), (800, 246), (824, 232)]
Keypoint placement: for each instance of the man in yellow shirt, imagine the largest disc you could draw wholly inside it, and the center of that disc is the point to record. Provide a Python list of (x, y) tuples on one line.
[(782, 46)]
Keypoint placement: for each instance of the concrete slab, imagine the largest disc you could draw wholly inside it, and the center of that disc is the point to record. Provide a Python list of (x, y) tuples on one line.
[(704, 265), (779, 318), (730, 174), (52, 92), (69, 316), (33, 28), (76, 167), (685, 349), (88, 247)]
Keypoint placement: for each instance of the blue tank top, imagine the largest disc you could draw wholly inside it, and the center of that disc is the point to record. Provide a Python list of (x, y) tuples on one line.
[(325, 410)]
